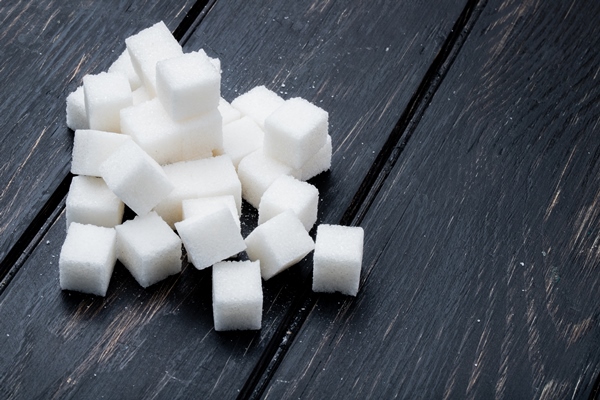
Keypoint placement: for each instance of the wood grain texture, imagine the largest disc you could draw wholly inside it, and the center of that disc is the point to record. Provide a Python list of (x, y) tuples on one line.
[(45, 49), (480, 275), (159, 342)]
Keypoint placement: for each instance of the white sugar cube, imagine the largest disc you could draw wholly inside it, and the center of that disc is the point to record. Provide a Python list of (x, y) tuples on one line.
[(228, 113), (318, 163), (148, 47), (237, 295), (140, 95), (278, 243), (188, 86), (76, 116), (149, 249), (295, 132), (105, 95), (207, 177), (208, 205), (288, 193), (91, 148), (338, 259), (258, 103), (257, 172), (135, 178), (168, 141), (240, 138), (90, 201), (87, 259), (123, 66), (210, 238)]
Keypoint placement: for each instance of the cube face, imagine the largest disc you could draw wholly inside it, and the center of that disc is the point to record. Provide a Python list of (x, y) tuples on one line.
[(149, 249), (188, 86), (91, 148), (288, 193), (135, 178), (76, 115), (87, 259), (258, 103), (240, 138), (295, 132), (237, 295), (207, 205), (90, 201), (123, 66), (338, 259), (228, 113), (279, 243), (256, 173), (318, 163), (105, 95), (210, 238)]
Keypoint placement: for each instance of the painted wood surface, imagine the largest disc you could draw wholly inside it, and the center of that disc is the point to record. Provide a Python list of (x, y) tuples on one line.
[(481, 270)]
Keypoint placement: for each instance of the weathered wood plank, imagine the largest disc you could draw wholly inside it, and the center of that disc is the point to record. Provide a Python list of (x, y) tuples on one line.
[(481, 274), (159, 342)]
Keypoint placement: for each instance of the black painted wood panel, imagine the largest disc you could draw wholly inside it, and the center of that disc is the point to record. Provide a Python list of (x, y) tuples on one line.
[(480, 275)]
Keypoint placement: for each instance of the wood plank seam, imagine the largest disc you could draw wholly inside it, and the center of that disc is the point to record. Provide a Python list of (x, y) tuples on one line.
[(275, 351), (192, 20)]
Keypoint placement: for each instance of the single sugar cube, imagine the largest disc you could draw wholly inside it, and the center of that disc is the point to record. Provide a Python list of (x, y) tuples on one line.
[(123, 66), (76, 116), (257, 172), (105, 95), (228, 113), (295, 132), (240, 138), (91, 148), (210, 238), (87, 259), (148, 47), (135, 178), (208, 205), (288, 193), (258, 103), (149, 249), (337, 259), (237, 295), (90, 201), (279, 243), (188, 86), (318, 163)]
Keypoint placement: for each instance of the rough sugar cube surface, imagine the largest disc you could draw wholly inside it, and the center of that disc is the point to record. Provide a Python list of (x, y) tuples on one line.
[(279, 243), (87, 259), (76, 116), (188, 86), (237, 295), (148, 47), (123, 66), (227, 111), (240, 138), (210, 238), (90, 201), (257, 172), (105, 95), (318, 163), (295, 132), (258, 103), (149, 249), (135, 178), (207, 205), (288, 193), (91, 148), (338, 259)]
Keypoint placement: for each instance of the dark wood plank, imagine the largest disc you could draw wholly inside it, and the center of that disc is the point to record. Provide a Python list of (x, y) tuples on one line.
[(46, 47), (481, 274), (159, 342)]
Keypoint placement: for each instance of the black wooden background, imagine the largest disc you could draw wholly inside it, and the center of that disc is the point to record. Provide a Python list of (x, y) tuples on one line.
[(466, 144)]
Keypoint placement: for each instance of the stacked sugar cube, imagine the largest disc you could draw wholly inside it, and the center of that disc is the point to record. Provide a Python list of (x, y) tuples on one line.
[(153, 133)]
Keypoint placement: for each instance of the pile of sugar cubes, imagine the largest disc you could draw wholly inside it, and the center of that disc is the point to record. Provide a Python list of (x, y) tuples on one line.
[(154, 133)]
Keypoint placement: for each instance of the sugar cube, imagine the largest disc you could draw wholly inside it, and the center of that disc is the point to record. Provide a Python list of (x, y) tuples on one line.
[(76, 116), (90, 201), (237, 295), (240, 138), (207, 205), (227, 111), (91, 148), (279, 243), (288, 193), (149, 249), (337, 259), (105, 95), (295, 132), (258, 103), (135, 178), (123, 66), (318, 163), (87, 259), (139, 95), (210, 238), (257, 172)]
